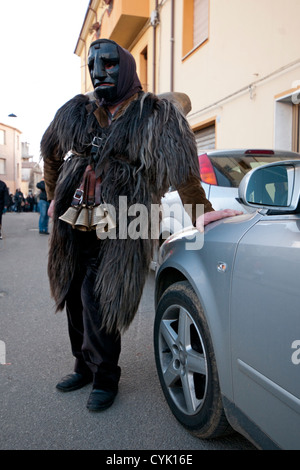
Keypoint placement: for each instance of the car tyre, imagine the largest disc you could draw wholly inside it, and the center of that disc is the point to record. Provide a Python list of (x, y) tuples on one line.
[(186, 363)]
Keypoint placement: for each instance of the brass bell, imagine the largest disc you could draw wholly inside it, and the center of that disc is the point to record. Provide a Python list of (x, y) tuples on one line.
[(101, 210), (96, 216), (100, 229), (70, 216), (102, 223), (83, 221), (111, 223), (106, 222), (100, 215)]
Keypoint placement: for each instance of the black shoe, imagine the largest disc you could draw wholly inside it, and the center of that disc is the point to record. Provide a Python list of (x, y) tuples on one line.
[(73, 381), (100, 400)]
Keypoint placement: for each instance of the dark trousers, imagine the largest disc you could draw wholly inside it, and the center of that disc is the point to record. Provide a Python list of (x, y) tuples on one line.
[(1, 212), (96, 352)]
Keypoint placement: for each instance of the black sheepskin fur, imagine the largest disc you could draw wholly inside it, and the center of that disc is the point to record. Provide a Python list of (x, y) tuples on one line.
[(149, 148)]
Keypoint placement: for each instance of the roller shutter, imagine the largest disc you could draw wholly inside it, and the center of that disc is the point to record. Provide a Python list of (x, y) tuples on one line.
[(206, 138)]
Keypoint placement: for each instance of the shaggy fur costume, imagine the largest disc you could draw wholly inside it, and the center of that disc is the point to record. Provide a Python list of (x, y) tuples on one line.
[(148, 148)]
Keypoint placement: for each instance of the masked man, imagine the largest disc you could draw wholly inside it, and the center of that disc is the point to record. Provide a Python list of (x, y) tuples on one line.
[(119, 145)]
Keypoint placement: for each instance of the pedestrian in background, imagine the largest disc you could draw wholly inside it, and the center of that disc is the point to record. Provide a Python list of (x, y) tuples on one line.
[(29, 202), (43, 206), (3, 202), (10, 205), (19, 200)]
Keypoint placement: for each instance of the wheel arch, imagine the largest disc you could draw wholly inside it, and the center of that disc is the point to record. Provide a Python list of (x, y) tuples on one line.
[(218, 321), (165, 279)]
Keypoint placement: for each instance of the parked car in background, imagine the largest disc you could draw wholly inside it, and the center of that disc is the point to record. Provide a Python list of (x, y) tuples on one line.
[(221, 172), (227, 325)]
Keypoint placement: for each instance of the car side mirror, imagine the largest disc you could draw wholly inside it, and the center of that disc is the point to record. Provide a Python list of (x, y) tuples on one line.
[(273, 186)]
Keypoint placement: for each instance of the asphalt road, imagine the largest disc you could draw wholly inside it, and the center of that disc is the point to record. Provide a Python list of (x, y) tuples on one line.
[(36, 416)]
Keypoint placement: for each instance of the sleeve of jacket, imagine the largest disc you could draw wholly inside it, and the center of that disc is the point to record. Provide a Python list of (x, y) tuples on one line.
[(52, 154), (191, 192), (51, 173)]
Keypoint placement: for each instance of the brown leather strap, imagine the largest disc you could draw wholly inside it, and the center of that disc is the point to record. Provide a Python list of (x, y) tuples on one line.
[(98, 192), (89, 190)]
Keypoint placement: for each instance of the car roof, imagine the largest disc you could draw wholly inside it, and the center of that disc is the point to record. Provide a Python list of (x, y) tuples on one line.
[(249, 152)]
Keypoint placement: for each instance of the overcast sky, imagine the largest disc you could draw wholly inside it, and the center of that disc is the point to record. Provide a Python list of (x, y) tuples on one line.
[(39, 70)]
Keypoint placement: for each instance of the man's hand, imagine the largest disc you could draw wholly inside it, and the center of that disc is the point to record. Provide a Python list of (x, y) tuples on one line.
[(51, 208), (209, 217)]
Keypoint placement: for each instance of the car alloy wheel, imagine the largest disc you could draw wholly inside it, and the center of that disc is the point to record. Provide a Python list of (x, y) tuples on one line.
[(186, 364)]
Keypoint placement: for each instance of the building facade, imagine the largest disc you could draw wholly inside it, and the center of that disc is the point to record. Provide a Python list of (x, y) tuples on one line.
[(238, 60), (10, 157), (31, 172)]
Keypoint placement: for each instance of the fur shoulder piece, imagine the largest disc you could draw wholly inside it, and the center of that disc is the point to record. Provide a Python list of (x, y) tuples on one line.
[(154, 135), (70, 129)]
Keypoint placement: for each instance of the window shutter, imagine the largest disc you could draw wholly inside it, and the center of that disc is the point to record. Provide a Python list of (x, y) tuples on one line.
[(200, 21), (206, 138)]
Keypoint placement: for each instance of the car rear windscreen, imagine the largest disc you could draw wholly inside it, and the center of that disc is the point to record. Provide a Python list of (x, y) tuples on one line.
[(230, 170)]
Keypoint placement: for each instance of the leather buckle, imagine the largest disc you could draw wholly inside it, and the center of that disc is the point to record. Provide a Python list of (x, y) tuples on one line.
[(97, 141), (78, 196)]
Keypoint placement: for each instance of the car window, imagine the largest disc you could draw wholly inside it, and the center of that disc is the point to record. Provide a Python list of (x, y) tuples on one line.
[(269, 187), (231, 170)]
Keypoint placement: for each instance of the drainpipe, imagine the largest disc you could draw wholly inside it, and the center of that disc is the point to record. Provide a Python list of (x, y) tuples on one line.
[(85, 46), (172, 39), (94, 11), (154, 23), (84, 42), (85, 67)]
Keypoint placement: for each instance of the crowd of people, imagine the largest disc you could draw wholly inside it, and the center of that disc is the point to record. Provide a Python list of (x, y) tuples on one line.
[(19, 203), (34, 202)]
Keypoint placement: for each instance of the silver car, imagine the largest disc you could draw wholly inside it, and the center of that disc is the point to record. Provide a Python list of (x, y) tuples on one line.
[(227, 326)]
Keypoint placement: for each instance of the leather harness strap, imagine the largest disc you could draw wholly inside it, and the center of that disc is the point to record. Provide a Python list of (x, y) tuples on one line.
[(89, 191)]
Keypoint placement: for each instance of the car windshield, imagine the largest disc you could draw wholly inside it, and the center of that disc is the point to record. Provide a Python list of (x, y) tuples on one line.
[(230, 170)]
